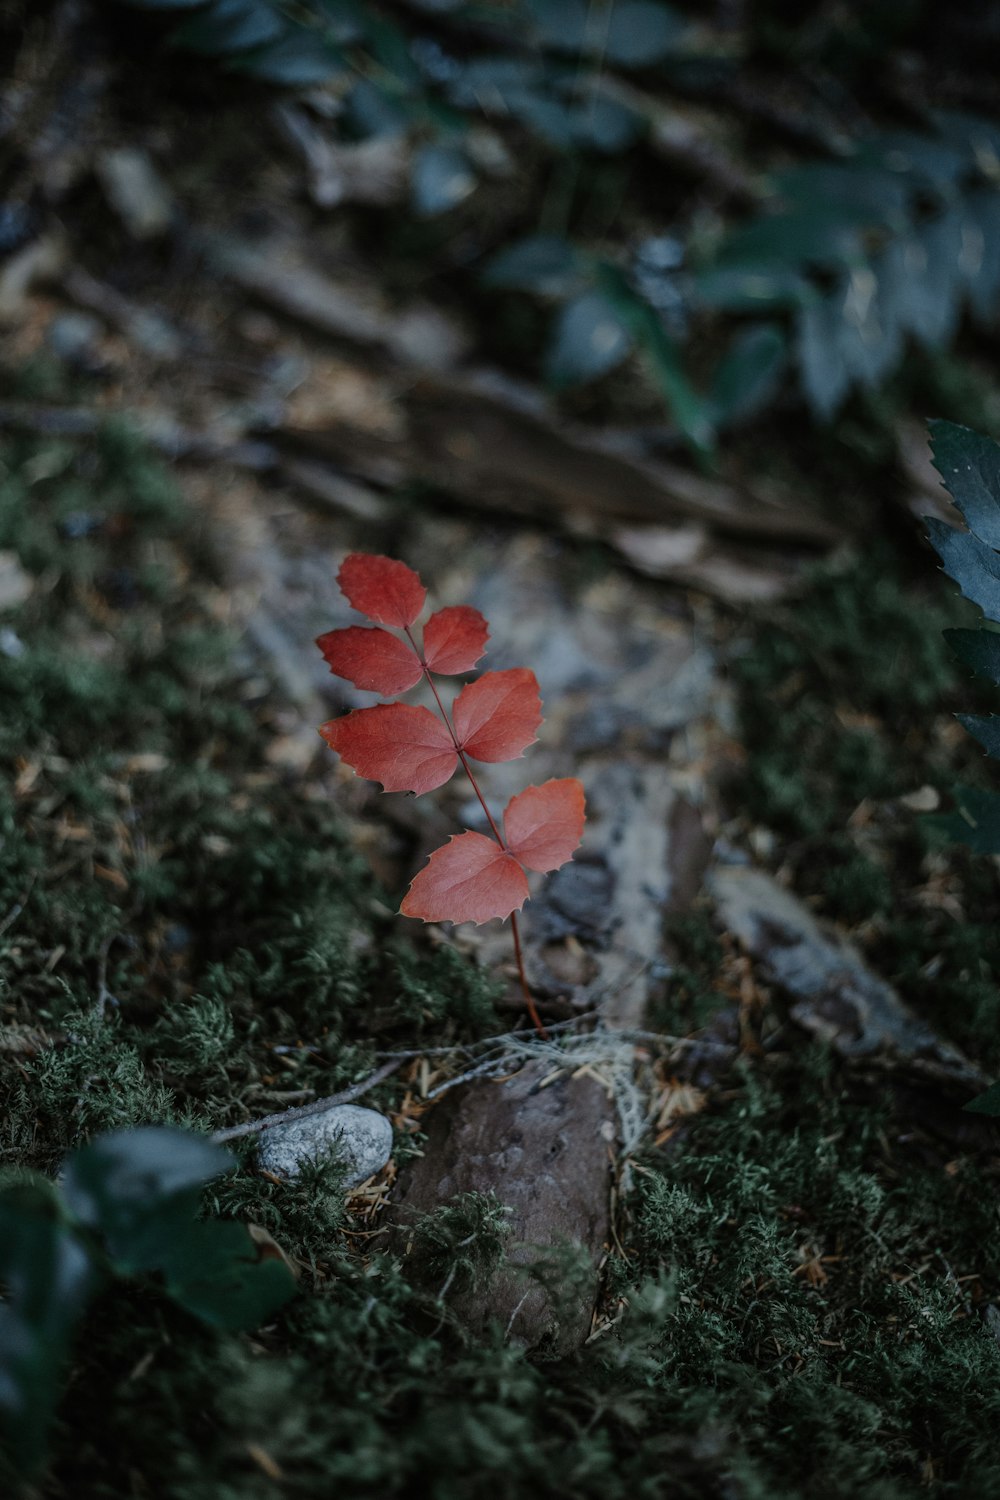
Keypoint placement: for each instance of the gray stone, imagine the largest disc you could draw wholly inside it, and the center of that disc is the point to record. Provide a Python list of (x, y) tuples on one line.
[(834, 994), (360, 1138)]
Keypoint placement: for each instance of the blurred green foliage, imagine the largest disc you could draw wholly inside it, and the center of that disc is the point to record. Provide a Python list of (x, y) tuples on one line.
[(125, 1207), (822, 276)]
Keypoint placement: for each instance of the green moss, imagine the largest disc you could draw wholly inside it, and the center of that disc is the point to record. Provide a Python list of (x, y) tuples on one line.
[(823, 1285), (846, 702)]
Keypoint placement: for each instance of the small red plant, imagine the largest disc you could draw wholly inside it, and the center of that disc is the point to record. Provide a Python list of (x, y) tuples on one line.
[(407, 748)]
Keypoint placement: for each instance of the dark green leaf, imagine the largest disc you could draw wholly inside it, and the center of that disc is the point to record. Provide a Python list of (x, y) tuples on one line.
[(687, 407), (48, 1277), (985, 1104), (441, 178), (973, 565), (745, 288), (215, 1271), (848, 191), (986, 728), (546, 264), (590, 339), (920, 274), (809, 236), (747, 378), (123, 1185), (826, 376), (969, 465), (230, 26), (167, 4), (978, 649), (848, 336), (387, 42)]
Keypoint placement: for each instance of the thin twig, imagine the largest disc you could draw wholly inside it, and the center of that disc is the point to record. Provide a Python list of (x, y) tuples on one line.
[(253, 1127), (499, 1064), (470, 1048)]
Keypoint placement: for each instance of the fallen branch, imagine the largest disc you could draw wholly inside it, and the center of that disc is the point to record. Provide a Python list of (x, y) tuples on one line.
[(319, 1107)]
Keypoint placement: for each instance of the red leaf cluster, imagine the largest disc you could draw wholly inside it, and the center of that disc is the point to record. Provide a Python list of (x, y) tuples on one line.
[(407, 748)]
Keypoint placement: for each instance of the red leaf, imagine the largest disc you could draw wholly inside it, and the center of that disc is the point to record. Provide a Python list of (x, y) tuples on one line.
[(371, 659), (455, 639), (496, 716), (382, 588), (470, 879), (404, 747), (544, 824)]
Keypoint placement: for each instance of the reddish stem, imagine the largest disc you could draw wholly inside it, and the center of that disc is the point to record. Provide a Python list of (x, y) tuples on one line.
[(518, 953), (529, 997)]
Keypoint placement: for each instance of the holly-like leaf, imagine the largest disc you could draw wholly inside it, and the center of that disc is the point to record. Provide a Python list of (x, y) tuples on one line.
[(969, 464), (470, 879), (385, 590), (372, 659), (455, 639), (973, 565), (986, 728), (978, 649), (496, 717), (398, 744), (544, 824)]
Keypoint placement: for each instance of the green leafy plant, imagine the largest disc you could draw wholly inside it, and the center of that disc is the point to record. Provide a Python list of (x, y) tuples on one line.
[(125, 1207), (841, 267), (870, 252), (845, 263), (406, 747)]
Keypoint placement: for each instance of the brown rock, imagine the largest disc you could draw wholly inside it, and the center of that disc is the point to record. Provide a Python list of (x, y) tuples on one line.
[(545, 1150)]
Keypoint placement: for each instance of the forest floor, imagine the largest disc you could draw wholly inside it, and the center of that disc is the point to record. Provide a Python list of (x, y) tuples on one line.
[(788, 1266)]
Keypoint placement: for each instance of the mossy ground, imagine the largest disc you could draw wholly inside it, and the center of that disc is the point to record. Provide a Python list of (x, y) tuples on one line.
[(804, 1277)]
